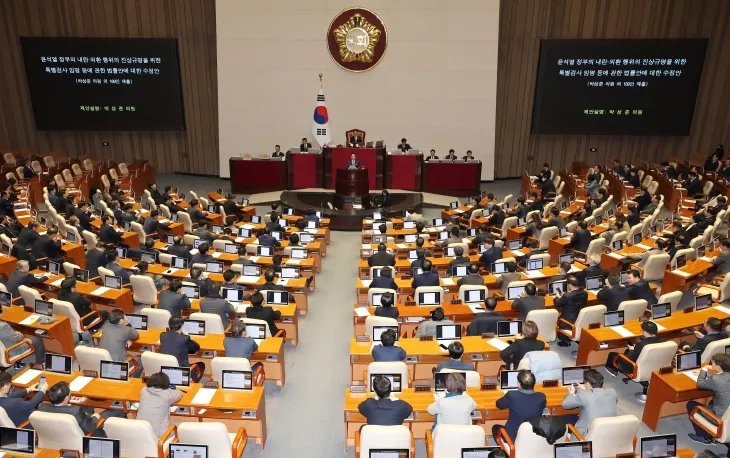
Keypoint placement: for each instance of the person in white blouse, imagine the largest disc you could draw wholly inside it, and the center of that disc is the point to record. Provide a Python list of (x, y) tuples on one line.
[(456, 407)]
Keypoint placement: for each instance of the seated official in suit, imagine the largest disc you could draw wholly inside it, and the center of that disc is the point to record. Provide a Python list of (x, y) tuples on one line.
[(178, 249), (719, 384), (712, 331), (266, 239), (173, 300), (455, 362), (649, 336), (428, 327), (381, 257), (155, 401), (196, 215), (473, 277), (485, 322), (238, 344), (353, 163), (81, 303), (386, 350), (116, 337), (591, 399), (16, 406), (384, 280), (112, 263), (459, 259), (107, 233), (48, 246), (613, 294), (404, 146), (659, 246), (217, 305), (60, 402), (581, 238), (639, 288), (200, 279), (722, 260), (451, 156), (305, 145), (9, 337), (203, 256), (174, 342), (469, 156), (453, 237), (571, 302), (518, 348), (386, 308), (203, 231), (496, 219), (21, 277), (382, 410), (159, 280), (593, 270), (491, 252), (431, 156), (523, 403), (528, 301), (257, 311), (427, 278), (508, 277), (456, 407), (276, 154)]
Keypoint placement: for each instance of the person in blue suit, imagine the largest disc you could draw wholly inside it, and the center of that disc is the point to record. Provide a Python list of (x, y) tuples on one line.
[(353, 163), (523, 403), (427, 278)]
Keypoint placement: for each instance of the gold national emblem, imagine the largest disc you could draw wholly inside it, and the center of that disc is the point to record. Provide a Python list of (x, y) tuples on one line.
[(356, 39)]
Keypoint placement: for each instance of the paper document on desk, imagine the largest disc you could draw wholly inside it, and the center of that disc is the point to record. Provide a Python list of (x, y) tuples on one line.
[(27, 377), (705, 258), (448, 281), (239, 239), (311, 231), (517, 253), (580, 201), (248, 279), (532, 273), (458, 210), (248, 226), (100, 290), (366, 283), (642, 246), (693, 374), (79, 383), (659, 327), (498, 344), (204, 396), (216, 254), (402, 246), (293, 262), (58, 282), (682, 273), (282, 281), (164, 221), (476, 308), (565, 213), (194, 251), (616, 256), (30, 319), (565, 239), (722, 309), (414, 319), (254, 259), (574, 269), (365, 246), (622, 331), (362, 311), (241, 307)]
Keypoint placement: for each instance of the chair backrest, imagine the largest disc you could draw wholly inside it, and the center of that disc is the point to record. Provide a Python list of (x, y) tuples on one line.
[(634, 309), (427, 289), (213, 434), (189, 239), (226, 363), (123, 168), (67, 309), (586, 316), (613, 435), (707, 187), (90, 240), (546, 212), (595, 247), (530, 445), (5, 421), (220, 245), (546, 321), (448, 440), (88, 165), (75, 168), (473, 378), (688, 253), (152, 362), (655, 266), (136, 227), (714, 348), (724, 288), (464, 246), (653, 357), (546, 235), (89, 358), (156, 318), (674, 298), (67, 175), (389, 367), (57, 430), (373, 320), (103, 272), (373, 291), (187, 223), (165, 210), (49, 161), (384, 437), (213, 322), (143, 289), (72, 230), (9, 158), (68, 268), (508, 223), (29, 295), (136, 437), (165, 259)]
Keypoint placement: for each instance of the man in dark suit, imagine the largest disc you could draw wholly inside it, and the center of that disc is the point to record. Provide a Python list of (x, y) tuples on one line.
[(548, 187), (613, 293), (556, 220), (112, 257), (205, 284), (155, 193), (304, 147), (178, 249), (404, 146), (386, 308), (473, 277), (537, 203), (28, 235), (214, 303), (259, 312), (107, 233), (643, 199), (203, 256), (173, 300), (266, 239), (469, 156), (496, 219), (459, 259), (6, 206), (151, 223), (273, 224), (381, 257), (719, 383), (28, 171), (82, 213), (485, 322), (713, 331), (127, 215), (451, 156), (593, 270), (231, 208), (431, 156), (518, 348), (48, 246), (692, 184), (203, 231), (20, 276), (427, 278), (95, 258), (174, 342), (60, 397), (383, 410), (648, 330), (581, 238), (528, 301), (639, 288), (353, 163), (384, 280), (17, 408), (276, 154), (491, 253), (523, 404), (195, 213), (572, 302)]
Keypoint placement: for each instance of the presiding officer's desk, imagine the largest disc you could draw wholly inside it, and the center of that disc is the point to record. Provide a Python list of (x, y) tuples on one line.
[(668, 396), (423, 356), (270, 352), (248, 407), (595, 344), (57, 336), (485, 415)]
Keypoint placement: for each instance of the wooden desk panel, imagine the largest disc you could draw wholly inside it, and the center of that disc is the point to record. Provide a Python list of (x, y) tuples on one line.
[(57, 336)]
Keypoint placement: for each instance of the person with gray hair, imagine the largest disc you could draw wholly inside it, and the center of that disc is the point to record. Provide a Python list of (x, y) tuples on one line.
[(21, 276), (459, 258), (456, 407)]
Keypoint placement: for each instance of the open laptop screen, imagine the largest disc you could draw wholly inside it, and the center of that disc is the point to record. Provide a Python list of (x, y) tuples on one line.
[(17, 440), (659, 446), (95, 447)]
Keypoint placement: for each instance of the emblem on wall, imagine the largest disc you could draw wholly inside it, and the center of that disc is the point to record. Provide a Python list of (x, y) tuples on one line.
[(357, 39)]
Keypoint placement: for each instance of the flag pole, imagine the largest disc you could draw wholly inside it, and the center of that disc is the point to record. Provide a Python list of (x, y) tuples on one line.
[(320, 81)]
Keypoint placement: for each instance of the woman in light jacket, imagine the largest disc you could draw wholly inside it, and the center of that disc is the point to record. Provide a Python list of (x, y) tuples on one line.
[(155, 401), (456, 407)]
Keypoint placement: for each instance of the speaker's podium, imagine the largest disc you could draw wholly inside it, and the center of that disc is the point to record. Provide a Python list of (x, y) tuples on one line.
[(351, 186)]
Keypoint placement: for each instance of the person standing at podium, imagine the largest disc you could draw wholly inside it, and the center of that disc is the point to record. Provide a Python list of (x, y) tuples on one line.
[(404, 146), (431, 156), (304, 147), (277, 152), (451, 156), (353, 163)]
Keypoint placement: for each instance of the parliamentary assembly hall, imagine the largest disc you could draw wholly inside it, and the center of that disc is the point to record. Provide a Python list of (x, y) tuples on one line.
[(376, 229)]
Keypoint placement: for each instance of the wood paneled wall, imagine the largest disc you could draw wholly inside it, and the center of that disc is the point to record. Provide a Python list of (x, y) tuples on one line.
[(524, 22), (192, 22)]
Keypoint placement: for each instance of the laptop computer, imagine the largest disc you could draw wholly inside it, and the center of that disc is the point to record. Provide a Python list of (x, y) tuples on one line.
[(689, 361), (594, 284), (410, 238), (636, 239), (178, 450), (251, 271), (395, 382), (244, 232), (179, 376), (555, 287), (6, 298), (378, 332), (429, 299), (81, 275), (277, 297), (474, 296), (438, 221), (514, 292), (194, 327), (256, 331), (409, 224), (214, 267), (446, 334), (613, 318), (477, 452), (459, 271), (113, 282), (17, 440), (534, 264), (661, 310), (499, 268), (122, 253), (509, 328), (299, 253), (230, 248), (617, 245), (60, 364), (266, 251), (191, 291), (138, 322), (664, 445), (114, 370), (178, 262), (574, 375), (290, 272), (389, 453), (148, 257), (703, 302), (53, 268), (232, 294), (515, 244), (582, 449), (43, 307), (624, 278), (237, 380), (508, 380), (567, 257)]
